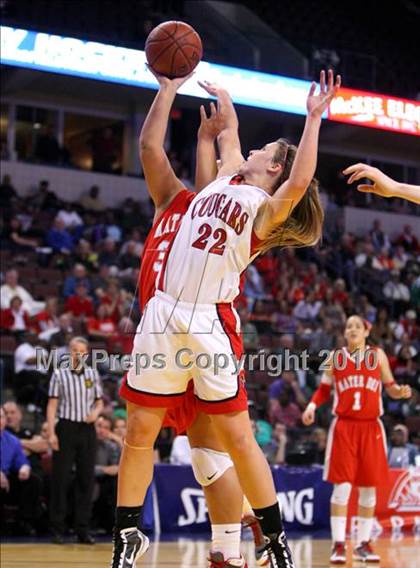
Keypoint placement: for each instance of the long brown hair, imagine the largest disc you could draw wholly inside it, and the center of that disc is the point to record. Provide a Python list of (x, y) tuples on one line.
[(303, 227)]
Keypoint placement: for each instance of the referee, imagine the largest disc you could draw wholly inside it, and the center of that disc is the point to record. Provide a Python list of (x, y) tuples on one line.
[(75, 398)]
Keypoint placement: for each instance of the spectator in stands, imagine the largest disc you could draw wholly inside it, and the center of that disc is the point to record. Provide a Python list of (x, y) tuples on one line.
[(114, 300), (14, 417), (32, 445), (30, 372), (408, 240), (129, 259), (80, 305), (47, 320), (11, 288), (260, 317), (407, 325), (109, 254), (396, 290), (15, 319), (319, 441), (7, 191), (307, 310), (181, 451), (323, 337), (69, 216), (62, 336), (381, 329), (75, 398), (119, 431), (254, 284), (286, 411), (43, 198), (283, 320), (17, 485), (101, 325), (366, 309), (92, 201), (59, 239), (249, 332), (275, 450), (380, 239), (79, 276), (112, 230), (16, 239), (400, 257), (86, 256), (287, 379), (106, 471), (401, 454), (47, 149)]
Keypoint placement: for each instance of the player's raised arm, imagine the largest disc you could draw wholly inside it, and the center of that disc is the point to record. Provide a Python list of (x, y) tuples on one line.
[(206, 159), (276, 209), (228, 140), (392, 389), (161, 180), (382, 184)]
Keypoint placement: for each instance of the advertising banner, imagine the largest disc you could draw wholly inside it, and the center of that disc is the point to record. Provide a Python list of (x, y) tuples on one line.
[(376, 111), (303, 495)]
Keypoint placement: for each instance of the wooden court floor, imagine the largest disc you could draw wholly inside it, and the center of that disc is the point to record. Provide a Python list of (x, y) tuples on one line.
[(185, 553)]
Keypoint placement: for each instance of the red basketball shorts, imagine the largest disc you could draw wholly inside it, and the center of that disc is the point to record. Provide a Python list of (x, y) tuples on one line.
[(356, 453)]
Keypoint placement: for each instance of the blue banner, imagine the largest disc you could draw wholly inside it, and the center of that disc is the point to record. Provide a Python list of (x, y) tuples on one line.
[(303, 495)]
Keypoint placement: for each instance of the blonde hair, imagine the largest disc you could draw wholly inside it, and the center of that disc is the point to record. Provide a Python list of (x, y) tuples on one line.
[(303, 227)]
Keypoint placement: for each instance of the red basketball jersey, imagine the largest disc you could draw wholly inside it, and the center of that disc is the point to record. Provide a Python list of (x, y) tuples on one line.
[(357, 385), (158, 244)]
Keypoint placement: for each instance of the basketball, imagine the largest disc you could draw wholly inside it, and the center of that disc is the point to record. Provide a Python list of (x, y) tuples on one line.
[(173, 49)]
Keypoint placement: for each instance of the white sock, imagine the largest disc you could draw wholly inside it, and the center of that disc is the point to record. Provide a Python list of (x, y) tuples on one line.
[(338, 529), (364, 529), (227, 540)]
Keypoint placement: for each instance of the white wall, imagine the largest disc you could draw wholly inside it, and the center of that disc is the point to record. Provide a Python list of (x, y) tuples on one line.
[(359, 221), (70, 184)]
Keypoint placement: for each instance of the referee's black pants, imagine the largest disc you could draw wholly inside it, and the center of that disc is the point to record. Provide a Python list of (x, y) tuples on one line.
[(77, 445)]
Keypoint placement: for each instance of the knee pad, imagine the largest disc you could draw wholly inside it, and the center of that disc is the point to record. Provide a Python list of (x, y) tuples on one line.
[(208, 465), (367, 497), (341, 494)]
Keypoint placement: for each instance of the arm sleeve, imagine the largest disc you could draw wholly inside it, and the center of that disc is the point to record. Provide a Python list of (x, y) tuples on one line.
[(323, 392), (54, 388)]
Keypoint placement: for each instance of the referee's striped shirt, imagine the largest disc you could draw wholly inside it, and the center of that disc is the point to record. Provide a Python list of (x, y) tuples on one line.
[(76, 392)]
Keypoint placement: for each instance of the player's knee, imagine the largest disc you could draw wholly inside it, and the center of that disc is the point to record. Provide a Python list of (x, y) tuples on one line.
[(140, 431), (240, 444), (341, 494), (367, 497), (209, 465)]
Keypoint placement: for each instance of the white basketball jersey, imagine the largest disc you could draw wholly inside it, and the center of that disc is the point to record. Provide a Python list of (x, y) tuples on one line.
[(213, 244)]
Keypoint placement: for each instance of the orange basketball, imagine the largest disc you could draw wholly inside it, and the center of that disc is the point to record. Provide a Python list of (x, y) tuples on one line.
[(173, 49)]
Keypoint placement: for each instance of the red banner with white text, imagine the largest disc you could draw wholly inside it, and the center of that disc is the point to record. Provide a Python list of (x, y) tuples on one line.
[(362, 108), (398, 500)]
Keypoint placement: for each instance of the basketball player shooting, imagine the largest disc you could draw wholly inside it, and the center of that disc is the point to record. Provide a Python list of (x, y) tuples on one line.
[(212, 467), (271, 201)]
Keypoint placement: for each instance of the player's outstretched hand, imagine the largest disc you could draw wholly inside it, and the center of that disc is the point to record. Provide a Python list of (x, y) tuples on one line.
[(166, 82), (317, 104), (405, 391), (382, 184), (212, 88), (211, 126), (308, 417)]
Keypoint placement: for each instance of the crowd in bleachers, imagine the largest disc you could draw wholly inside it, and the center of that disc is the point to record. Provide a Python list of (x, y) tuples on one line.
[(71, 269)]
